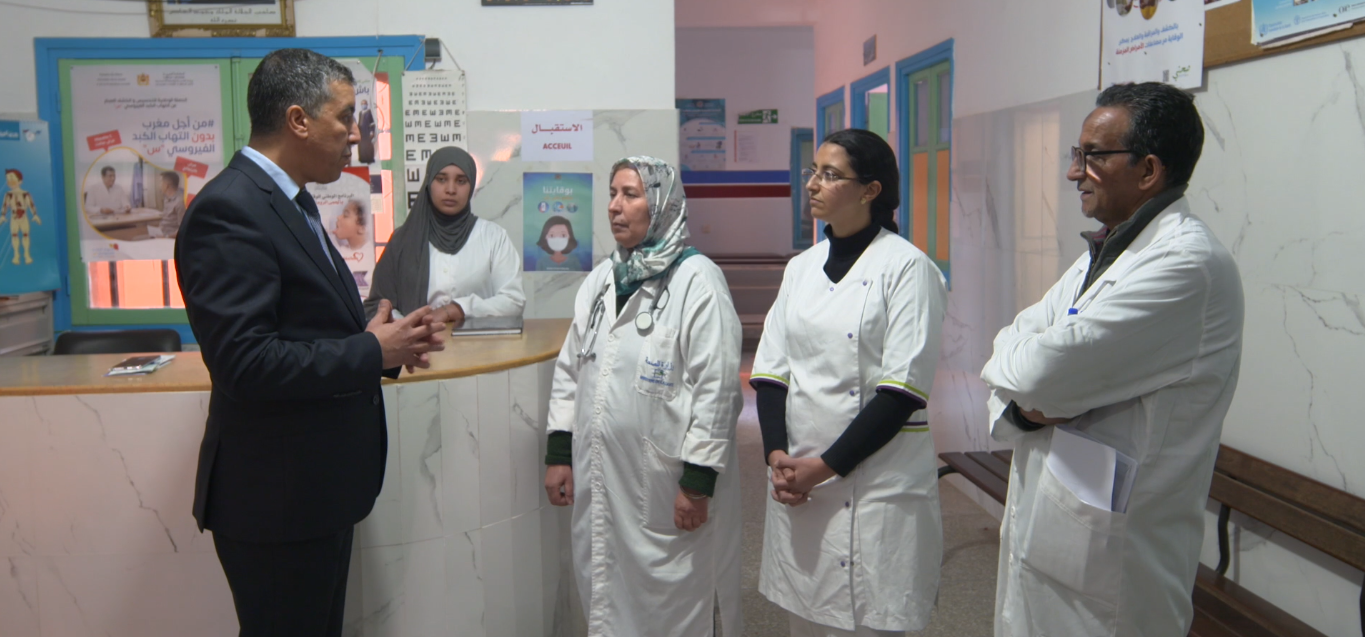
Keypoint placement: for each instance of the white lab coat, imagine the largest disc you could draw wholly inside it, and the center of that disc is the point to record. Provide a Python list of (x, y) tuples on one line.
[(484, 277), (639, 407), (97, 198), (866, 549), (1147, 365)]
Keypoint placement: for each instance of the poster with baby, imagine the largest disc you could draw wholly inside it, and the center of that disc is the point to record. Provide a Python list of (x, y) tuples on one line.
[(348, 219), (557, 221)]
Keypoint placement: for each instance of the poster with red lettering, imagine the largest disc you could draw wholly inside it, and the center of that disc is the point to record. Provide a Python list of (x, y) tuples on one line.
[(556, 136)]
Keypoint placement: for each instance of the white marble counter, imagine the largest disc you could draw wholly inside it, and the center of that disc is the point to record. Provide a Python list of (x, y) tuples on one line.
[(96, 535)]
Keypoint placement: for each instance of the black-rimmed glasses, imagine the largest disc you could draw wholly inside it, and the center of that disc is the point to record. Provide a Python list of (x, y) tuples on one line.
[(827, 178), (1079, 157)]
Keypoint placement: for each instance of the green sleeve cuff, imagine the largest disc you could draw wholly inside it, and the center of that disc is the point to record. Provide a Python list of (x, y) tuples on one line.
[(559, 448), (698, 478)]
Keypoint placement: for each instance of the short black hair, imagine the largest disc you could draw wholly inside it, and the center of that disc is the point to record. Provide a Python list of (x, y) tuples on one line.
[(106, 170), (291, 77), (171, 177), (872, 159), (361, 215), (1163, 121), (545, 231)]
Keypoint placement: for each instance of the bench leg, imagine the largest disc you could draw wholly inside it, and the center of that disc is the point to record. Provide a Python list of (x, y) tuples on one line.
[(945, 470), (1224, 557)]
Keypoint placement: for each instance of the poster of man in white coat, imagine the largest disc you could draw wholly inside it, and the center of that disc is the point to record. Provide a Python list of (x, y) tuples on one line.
[(1135, 350)]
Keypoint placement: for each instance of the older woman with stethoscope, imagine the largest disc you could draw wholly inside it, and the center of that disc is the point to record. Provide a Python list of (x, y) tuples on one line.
[(642, 423)]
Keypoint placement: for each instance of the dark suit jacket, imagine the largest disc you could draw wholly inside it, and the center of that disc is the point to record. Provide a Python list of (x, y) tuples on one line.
[(295, 443)]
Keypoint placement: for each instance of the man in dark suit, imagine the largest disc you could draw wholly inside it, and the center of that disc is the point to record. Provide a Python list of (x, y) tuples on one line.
[(295, 445)]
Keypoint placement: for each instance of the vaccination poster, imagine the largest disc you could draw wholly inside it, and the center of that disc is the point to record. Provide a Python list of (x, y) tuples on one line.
[(1276, 19), (145, 139), (701, 136), (1152, 41), (557, 222), (28, 254), (347, 215)]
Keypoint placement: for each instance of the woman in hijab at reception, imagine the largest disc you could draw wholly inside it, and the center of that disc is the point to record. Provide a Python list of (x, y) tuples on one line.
[(446, 257), (642, 423), (853, 539)]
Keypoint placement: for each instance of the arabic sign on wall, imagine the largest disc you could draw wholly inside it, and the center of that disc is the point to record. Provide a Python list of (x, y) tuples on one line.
[(1152, 41), (556, 136), (146, 139)]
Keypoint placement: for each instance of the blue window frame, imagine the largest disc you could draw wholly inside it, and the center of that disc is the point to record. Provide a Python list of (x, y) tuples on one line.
[(924, 149), (831, 103), (803, 153), (49, 52), (858, 91)]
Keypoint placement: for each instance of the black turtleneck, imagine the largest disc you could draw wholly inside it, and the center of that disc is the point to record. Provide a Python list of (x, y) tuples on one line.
[(880, 419)]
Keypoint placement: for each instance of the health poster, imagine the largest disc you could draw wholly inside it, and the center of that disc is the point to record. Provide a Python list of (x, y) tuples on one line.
[(366, 114), (145, 139), (28, 228), (1152, 41), (557, 222), (348, 218), (701, 136), (1276, 19)]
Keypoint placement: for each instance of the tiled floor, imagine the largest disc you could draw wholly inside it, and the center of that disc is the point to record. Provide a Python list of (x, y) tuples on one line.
[(971, 543)]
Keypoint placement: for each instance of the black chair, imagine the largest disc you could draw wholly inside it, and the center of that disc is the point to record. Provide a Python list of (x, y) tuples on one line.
[(117, 342)]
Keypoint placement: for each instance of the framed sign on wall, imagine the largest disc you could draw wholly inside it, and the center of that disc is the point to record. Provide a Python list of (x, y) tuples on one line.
[(209, 18), (520, 3)]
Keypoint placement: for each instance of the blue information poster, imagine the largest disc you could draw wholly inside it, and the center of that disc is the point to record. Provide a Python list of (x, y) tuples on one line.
[(1276, 19), (557, 222), (701, 136), (28, 214)]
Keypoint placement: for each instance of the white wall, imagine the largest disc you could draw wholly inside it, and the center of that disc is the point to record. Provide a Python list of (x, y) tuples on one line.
[(614, 54), (751, 68), (744, 13), (1006, 53)]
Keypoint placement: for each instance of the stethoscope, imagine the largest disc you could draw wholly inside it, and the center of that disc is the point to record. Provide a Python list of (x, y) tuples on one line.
[(644, 321)]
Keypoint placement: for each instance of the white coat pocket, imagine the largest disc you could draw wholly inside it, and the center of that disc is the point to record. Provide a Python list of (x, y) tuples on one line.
[(1073, 558), (659, 475), (658, 371)]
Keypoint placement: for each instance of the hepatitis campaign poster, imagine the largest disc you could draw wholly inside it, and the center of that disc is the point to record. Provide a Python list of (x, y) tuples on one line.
[(28, 228), (557, 222), (145, 139), (701, 134), (1152, 41), (348, 219)]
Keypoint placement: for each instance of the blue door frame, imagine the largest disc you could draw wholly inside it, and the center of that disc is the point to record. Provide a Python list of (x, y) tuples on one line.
[(941, 52), (49, 51), (821, 103), (857, 112), (800, 240)]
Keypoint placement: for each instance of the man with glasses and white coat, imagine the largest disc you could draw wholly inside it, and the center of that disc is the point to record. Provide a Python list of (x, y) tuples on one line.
[(1136, 348)]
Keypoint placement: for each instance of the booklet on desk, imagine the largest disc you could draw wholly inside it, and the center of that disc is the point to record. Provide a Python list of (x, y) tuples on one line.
[(140, 365), (488, 326), (1098, 474)]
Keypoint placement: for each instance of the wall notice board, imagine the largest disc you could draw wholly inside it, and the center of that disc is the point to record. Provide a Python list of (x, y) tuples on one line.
[(1227, 36)]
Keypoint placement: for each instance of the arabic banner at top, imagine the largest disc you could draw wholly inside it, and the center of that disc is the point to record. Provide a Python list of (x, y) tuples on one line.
[(1152, 41)]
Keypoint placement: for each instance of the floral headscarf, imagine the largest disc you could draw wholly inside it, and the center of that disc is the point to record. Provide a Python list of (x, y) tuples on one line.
[(664, 244)]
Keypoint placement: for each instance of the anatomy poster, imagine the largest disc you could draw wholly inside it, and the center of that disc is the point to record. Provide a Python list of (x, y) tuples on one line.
[(28, 228), (145, 139)]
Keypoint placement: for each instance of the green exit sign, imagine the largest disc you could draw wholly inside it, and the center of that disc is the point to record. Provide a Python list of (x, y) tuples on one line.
[(762, 116)]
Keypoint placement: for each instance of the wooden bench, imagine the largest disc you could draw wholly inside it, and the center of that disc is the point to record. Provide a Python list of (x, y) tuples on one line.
[(1318, 515)]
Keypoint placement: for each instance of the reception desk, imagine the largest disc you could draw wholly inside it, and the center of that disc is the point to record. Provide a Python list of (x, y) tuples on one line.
[(97, 481)]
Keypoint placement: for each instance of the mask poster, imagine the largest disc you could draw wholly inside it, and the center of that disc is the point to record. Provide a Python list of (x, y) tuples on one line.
[(28, 251), (348, 219), (701, 137), (557, 222), (1152, 41), (145, 139)]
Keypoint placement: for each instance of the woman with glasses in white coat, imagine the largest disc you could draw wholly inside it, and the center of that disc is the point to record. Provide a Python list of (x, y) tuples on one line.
[(642, 423), (853, 537)]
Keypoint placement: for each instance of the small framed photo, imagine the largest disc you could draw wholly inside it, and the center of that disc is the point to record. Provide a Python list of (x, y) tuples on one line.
[(219, 18)]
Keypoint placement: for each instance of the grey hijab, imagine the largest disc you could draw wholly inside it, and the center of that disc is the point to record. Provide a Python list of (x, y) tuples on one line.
[(403, 273)]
